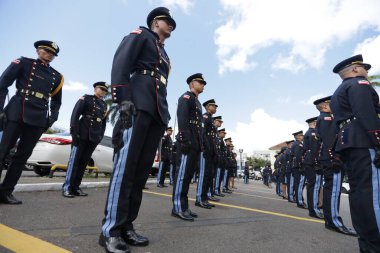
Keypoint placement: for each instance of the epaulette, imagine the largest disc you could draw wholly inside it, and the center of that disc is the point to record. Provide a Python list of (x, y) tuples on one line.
[(55, 71), (81, 98), (136, 31)]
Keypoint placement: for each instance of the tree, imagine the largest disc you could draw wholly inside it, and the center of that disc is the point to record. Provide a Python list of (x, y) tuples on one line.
[(375, 80), (113, 112), (256, 162)]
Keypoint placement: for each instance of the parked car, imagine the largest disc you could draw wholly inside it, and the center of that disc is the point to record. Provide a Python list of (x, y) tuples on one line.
[(54, 149)]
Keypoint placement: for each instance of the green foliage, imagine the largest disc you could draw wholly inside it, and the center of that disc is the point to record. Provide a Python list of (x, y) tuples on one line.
[(375, 80), (256, 163), (112, 113)]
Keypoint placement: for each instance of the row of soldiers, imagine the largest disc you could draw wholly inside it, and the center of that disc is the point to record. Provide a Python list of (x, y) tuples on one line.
[(343, 139), (200, 149)]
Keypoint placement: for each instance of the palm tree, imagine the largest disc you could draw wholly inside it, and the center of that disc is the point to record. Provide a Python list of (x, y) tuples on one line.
[(113, 112), (375, 80)]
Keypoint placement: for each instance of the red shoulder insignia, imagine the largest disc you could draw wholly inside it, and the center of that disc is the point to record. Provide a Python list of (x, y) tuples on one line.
[(81, 98), (327, 118), (136, 31), (186, 97), (17, 61), (363, 82), (205, 116)]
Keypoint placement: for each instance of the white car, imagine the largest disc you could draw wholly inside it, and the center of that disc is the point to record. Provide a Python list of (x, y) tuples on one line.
[(54, 149)]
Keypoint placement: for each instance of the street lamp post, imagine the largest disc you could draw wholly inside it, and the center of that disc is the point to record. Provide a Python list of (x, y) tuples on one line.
[(241, 160)]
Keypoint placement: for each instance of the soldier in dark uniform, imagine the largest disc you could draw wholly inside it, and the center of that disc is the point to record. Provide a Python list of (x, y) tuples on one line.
[(190, 143), (27, 114), (310, 162), (166, 152), (298, 169), (206, 172), (246, 173), (333, 169), (282, 173), (173, 163), (220, 161), (87, 126), (276, 173), (228, 166), (355, 105), (288, 171), (139, 78)]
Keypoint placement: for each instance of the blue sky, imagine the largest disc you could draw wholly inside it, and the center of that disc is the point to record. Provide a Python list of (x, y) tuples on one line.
[(265, 61)]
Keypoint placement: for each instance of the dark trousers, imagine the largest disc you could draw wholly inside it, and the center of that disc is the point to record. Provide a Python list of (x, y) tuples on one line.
[(331, 196), (210, 163), (29, 136), (182, 179), (131, 168), (163, 168), (290, 180), (246, 179), (80, 155), (364, 179), (219, 175), (314, 182), (203, 180), (299, 183)]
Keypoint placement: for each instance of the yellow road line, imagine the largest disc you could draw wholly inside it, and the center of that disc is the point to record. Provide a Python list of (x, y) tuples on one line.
[(258, 196), (249, 209), (23, 243)]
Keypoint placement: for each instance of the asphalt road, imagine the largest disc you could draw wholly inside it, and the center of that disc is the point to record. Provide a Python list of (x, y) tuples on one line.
[(252, 219)]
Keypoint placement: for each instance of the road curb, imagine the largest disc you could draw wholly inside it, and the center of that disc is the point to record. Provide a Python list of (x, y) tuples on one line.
[(58, 186)]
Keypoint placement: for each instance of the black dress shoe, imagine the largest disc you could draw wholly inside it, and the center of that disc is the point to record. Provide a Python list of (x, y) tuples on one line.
[(192, 214), (219, 195), (132, 238), (8, 198), (303, 206), (212, 198), (343, 229), (209, 204), (291, 201), (203, 205), (183, 216), (79, 192), (113, 244), (67, 194), (317, 215)]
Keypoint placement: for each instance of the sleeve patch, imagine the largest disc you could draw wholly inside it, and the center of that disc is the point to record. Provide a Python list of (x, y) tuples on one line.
[(17, 61), (81, 98), (136, 31), (327, 118), (186, 97), (205, 116), (363, 82)]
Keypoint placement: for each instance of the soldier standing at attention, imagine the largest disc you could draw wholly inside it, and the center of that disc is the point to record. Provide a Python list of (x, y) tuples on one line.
[(220, 161), (190, 145), (27, 115), (333, 168), (88, 123), (298, 169), (355, 105), (166, 151), (288, 171), (139, 78), (311, 147), (228, 166)]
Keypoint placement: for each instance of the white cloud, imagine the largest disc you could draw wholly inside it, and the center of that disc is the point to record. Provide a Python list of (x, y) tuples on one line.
[(74, 86), (308, 28), (370, 49), (263, 131), (184, 5)]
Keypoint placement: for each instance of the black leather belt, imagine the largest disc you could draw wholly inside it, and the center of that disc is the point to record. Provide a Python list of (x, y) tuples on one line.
[(33, 93), (347, 121), (93, 118), (154, 74)]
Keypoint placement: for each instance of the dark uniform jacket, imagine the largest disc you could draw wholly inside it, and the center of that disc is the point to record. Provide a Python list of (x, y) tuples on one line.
[(221, 153), (35, 83), (326, 132), (139, 51), (88, 118), (166, 148), (209, 134), (355, 105), (189, 114), (311, 147), (229, 158), (288, 160), (297, 153)]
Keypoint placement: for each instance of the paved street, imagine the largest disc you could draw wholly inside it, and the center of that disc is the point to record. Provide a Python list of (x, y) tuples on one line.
[(252, 219)]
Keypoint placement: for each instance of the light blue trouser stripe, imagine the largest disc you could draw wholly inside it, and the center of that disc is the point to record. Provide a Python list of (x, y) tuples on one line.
[(291, 188), (159, 172), (69, 170), (179, 183), (375, 189), (201, 177), (334, 199), (171, 173), (300, 189), (117, 179), (317, 186), (1, 135), (225, 178), (217, 180)]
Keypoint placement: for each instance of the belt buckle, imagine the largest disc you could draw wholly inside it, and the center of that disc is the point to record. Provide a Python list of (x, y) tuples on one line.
[(39, 95), (163, 79)]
